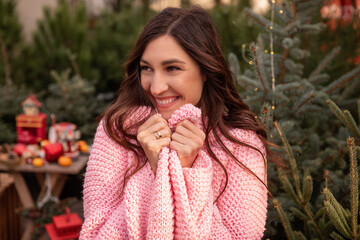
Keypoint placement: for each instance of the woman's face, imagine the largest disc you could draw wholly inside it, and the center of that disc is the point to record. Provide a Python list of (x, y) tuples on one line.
[(169, 76)]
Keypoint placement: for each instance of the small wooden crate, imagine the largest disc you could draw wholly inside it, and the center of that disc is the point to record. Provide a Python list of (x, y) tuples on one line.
[(10, 221)]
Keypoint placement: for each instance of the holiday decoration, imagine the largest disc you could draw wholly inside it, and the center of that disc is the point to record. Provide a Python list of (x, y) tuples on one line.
[(53, 151), (65, 226), (31, 125)]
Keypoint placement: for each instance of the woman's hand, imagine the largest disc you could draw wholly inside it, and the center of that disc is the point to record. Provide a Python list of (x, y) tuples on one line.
[(187, 140), (152, 135)]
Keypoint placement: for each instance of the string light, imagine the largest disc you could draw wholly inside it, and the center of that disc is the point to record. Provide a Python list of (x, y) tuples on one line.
[(251, 62), (256, 89), (272, 54), (271, 27), (266, 51), (281, 11), (243, 45)]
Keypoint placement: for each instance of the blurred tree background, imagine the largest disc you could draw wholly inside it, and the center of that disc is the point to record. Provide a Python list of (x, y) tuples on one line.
[(74, 63)]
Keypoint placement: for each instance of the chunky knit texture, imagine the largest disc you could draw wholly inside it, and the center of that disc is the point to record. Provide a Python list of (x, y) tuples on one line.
[(179, 202)]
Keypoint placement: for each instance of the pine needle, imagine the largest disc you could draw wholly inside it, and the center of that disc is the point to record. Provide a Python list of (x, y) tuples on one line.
[(354, 184)]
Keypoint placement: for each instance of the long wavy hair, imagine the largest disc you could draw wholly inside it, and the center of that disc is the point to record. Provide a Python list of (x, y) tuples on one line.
[(220, 102)]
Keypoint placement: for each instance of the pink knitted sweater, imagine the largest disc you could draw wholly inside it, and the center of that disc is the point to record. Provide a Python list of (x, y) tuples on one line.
[(179, 202)]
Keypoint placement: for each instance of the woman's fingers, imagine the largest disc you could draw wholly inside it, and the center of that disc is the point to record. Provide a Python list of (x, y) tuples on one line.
[(187, 140)]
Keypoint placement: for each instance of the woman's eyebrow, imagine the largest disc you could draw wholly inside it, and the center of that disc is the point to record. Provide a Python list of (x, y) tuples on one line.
[(166, 62), (170, 61)]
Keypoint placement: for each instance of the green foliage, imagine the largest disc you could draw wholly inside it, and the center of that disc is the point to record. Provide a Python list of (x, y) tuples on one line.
[(72, 100), (10, 100), (280, 86), (10, 38), (62, 30), (114, 34)]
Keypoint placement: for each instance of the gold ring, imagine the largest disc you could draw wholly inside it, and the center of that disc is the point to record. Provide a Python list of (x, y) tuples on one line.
[(158, 134)]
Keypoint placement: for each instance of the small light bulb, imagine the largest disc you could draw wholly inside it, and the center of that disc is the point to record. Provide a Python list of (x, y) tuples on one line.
[(273, 107), (271, 27), (281, 11), (251, 62), (266, 51), (272, 53), (244, 45), (256, 89), (273, 1)]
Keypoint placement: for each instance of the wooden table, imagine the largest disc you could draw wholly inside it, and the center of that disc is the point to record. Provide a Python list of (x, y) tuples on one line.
[(55, 172)]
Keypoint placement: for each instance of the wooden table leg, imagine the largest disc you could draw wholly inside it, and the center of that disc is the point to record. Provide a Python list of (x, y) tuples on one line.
[(27, 202)]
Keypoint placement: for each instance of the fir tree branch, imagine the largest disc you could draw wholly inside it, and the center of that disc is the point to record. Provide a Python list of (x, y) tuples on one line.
[(351, 125), (292, 161), (288, 187), (5, 57), (307, 188), (354, 184), (299, 214), (282, 65), (305, 101), (342, 80), (253, 49), (327, 59), (334, 217), (336, 236), (337, 212), (337, 111), (284, 219)]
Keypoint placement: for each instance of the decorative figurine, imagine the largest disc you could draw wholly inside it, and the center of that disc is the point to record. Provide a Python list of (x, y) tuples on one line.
[(31, 125)]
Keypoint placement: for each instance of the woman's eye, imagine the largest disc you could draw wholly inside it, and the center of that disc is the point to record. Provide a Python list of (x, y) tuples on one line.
[(145, 68), (173, 68)]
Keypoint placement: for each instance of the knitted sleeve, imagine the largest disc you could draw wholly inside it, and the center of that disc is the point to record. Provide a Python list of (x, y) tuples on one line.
[(103, 210), (243, 205), (240, 212)]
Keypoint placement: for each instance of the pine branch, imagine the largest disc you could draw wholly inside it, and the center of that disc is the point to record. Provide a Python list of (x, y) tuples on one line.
[(299, 214), (351, 124), (337, 111), (305, 99), (258, 72), (299, 236), (287, 86), (292, 161), (354, 184), (288, 187), (307, 188), (334, 217), (249, 82), (336, 214), (342, 80), (327, 59), (268, 25), (282, 65), (336, 236), (284, 219)]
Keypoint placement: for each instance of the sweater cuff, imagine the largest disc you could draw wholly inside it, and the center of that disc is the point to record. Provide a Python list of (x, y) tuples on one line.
[(198, 179)]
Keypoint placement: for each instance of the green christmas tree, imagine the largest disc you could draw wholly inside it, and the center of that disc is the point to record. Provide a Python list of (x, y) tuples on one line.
[(279, 89)]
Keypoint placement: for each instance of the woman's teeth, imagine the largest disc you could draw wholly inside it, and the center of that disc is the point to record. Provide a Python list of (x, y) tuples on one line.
[(166, 101)]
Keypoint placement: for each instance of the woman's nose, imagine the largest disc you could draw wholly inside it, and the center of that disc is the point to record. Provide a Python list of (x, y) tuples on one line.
[(159, 84)]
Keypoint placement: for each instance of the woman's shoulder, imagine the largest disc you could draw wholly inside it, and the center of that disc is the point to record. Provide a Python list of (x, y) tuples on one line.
[(248, 137)]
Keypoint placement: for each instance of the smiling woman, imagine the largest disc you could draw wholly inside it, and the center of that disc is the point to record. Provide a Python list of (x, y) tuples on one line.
[(178, 155), (169, 76)]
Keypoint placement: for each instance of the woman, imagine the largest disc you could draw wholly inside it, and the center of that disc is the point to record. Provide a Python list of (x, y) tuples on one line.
[(178, 155)]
